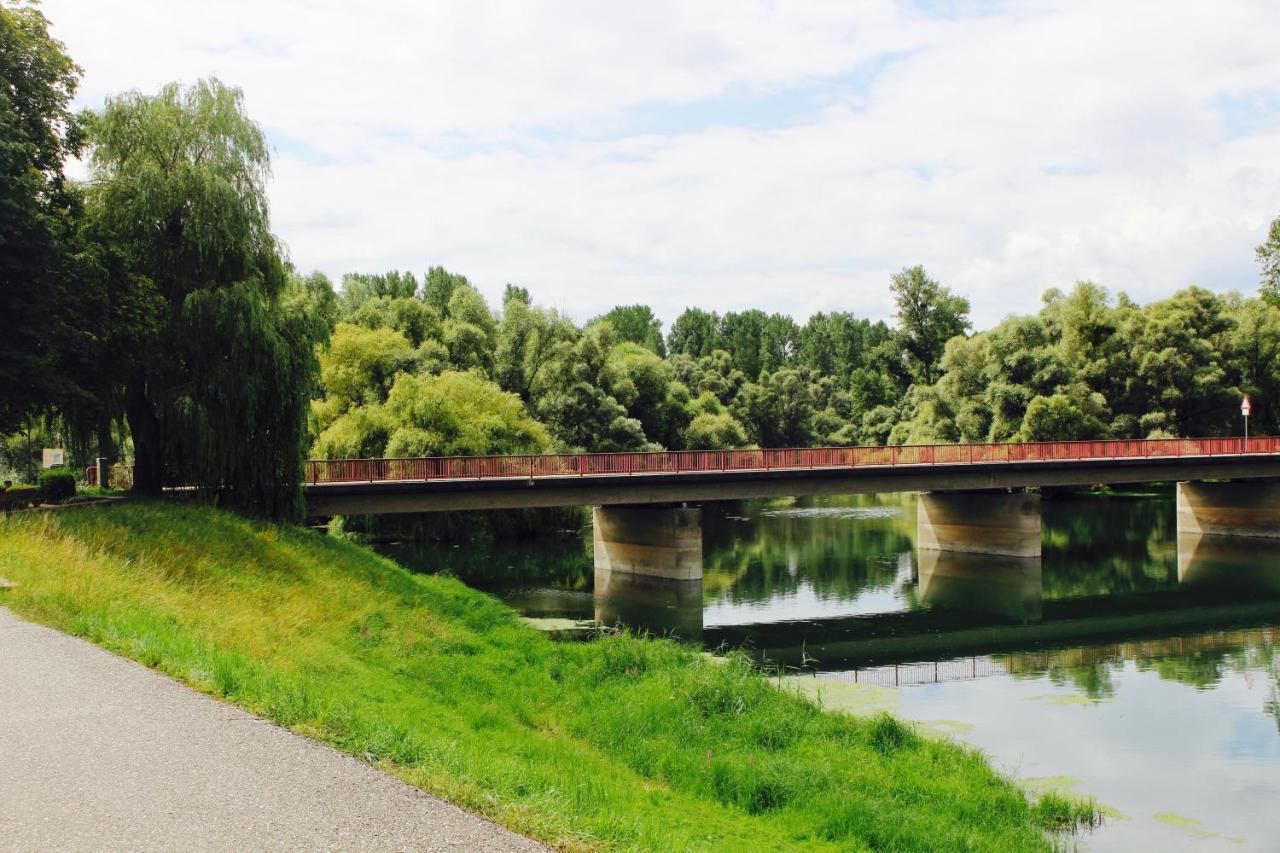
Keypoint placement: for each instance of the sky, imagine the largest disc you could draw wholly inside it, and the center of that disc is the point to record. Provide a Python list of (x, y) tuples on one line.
[(731, 154)]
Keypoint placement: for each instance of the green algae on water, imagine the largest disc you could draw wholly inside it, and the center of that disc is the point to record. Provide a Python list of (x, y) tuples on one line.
[(1191, 826), (859, 700), (1065, 786), (944, 728)]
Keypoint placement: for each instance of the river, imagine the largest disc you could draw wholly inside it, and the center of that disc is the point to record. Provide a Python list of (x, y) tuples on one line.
[(1125, 664)]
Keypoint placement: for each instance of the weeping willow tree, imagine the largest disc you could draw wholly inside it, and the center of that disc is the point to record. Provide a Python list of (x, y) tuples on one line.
[(221, 368)]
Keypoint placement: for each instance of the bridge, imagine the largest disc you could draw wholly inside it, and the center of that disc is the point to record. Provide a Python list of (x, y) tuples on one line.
[(431, 484), (646, 521)]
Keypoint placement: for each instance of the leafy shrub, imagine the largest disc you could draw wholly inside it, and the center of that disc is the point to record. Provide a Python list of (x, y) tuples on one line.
[(19, 497), (58, 484)]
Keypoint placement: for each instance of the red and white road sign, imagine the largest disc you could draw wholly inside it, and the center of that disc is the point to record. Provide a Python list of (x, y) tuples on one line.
[(1245, 406)]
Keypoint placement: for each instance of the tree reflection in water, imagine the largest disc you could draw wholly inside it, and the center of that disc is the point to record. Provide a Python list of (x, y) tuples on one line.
[(1102, 557)]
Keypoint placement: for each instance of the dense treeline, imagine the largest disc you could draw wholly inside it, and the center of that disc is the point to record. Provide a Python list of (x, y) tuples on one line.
[(428, 368), (151, 313)]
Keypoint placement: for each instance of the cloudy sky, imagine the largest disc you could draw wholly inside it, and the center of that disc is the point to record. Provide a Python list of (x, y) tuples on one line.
[(788, 156)]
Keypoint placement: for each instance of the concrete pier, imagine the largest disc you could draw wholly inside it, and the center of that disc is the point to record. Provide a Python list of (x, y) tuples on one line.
[(657, 542), (993, 523), (1229, 509)]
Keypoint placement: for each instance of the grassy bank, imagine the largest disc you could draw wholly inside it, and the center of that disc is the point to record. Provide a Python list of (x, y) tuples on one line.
[(623, 742)]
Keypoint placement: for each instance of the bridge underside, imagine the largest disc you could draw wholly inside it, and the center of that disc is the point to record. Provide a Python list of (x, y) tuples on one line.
[(411, 496)]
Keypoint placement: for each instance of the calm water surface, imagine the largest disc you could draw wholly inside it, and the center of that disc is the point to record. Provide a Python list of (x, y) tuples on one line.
[(1125, 664)]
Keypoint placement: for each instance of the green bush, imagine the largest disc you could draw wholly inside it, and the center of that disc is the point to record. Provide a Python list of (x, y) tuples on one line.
[(19, 496), (58, 484)]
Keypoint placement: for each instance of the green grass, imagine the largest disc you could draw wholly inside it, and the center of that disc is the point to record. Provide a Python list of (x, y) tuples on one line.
[(623, 742), (99, 492)]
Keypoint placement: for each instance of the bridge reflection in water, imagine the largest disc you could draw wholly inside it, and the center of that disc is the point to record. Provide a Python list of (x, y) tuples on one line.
[(661, 606), (970, 606), (1140, 663), (1011, 588), (1039, 662), (838, 584)]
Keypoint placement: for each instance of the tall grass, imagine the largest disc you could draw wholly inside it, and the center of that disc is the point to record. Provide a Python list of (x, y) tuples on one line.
[(620, 743)]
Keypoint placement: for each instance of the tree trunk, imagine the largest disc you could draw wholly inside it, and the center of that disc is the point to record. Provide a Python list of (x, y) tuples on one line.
[(106, 441), (106, 451), (148, 446)]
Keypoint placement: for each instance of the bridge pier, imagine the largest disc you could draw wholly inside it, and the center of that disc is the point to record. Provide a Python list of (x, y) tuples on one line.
[(994, 523), (653, 541), (1229, 509)]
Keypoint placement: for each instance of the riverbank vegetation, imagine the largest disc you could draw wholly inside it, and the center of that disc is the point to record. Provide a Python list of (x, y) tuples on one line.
[(622, 742)]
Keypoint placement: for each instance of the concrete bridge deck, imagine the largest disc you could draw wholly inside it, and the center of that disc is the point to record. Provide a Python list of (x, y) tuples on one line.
[(375, 486)]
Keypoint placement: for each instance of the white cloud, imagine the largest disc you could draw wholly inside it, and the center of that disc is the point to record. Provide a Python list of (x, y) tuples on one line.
[(559, 145)]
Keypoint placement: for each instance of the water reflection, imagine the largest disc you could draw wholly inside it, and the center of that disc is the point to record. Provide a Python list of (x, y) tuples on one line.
[(1178, 736), (1100, 546), (805, 552), (659, 605), (549, 577), (1126, 663), (1010, 588), (1233, 563), (838, 578)]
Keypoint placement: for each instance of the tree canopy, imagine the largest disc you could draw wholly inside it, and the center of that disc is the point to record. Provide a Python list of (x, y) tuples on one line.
[(1086, 366), (929, 315), (50, 283), (219, 375), (636, 324), (1269, 258)]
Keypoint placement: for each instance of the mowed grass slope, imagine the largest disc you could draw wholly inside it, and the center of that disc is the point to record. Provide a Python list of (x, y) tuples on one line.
[(620, 743)]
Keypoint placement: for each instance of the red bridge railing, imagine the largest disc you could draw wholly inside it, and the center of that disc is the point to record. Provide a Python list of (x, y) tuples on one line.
[(712, 461)]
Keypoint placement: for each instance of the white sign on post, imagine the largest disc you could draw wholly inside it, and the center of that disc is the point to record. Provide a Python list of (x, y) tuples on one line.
[(1245, 408)]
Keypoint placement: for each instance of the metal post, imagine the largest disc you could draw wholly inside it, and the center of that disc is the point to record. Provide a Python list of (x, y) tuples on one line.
[(1245, 409)]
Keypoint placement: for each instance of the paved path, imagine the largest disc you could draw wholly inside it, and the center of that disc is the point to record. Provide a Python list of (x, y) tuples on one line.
[(100, 753)]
